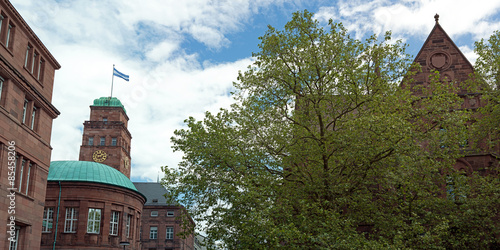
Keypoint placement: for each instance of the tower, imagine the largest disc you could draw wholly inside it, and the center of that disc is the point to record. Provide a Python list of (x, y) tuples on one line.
[(106, 138)]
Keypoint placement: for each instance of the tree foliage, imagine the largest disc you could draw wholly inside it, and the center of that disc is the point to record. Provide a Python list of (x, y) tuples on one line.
[(324, 148)]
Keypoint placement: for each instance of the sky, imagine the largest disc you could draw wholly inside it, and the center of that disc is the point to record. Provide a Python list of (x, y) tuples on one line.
[(184, 55)]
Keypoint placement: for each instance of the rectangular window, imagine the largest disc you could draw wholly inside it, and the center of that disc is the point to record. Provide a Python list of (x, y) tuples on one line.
[(9, 35), (103, 141), (170, 233), (170, 213), (113, 141), (91, 141), (28, 179), (153, 232), (33, 116), (13, 244), (40, 70), (1, 22), (25, 108), (154, 213), (26, 58), (20, 184), (1, 87), (33, 63), (48, 217), (105, 119), (71, 220), (113, 225), (127, 227), (94, 221)]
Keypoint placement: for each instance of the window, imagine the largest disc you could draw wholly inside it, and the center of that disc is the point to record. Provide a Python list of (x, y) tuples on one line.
[(105, 119), (1, 22), (26, 58), (127, 226), (456, 188), (113, 225), (71, 220), (33, 116), (48, 217), (103, 141), (154, 213), (21, 172), (170, 233), (28, 178), (153, 232), (13, 244), (94, 220), (170, 213), (39, 75), (113, 141), (10, 31), (1, 87), (91, 141), (33, 62), (25, 108)]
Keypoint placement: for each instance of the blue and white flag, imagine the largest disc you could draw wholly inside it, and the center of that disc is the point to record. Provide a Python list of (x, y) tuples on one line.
[(120, 74)]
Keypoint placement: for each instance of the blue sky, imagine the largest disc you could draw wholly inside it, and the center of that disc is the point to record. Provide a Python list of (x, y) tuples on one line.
[(182, 56)]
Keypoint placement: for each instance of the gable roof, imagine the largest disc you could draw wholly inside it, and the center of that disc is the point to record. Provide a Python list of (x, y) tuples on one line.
[(439, 39)]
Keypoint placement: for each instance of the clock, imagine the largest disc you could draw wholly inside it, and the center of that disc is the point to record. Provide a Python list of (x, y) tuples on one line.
[(99, 156)]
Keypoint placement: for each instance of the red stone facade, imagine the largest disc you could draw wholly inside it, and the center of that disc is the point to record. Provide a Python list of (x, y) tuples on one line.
[(162, 218), (439, 53), (109, 123), (27, 77), (83, 196)]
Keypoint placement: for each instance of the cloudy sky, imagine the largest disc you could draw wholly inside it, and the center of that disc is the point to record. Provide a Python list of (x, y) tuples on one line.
[(183, 55)]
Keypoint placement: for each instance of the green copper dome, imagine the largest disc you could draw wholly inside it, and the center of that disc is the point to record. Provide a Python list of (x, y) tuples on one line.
[(109, 102), (87, 171)]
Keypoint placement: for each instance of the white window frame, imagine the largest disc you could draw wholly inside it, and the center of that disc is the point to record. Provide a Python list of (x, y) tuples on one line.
[(28, 178), (127, 226), (33, 116), (1, 83), (48, 219), (113, 223), (169, 235), (71, 220), (13, 244), (154, 213), (25, 107), (7, 42), (21, 171), (153, 233), (28, 50), (170, 213), (93, 223)]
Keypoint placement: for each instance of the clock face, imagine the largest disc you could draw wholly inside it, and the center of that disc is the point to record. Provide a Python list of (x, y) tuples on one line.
[(99, 156)]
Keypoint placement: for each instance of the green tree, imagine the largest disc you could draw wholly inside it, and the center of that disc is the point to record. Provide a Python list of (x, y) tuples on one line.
[(324, 148)]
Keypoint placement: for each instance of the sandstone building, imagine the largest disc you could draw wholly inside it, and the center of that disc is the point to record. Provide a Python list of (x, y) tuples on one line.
[(27, 71)]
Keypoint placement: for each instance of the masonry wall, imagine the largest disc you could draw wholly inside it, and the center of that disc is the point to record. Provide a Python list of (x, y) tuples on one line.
[(161, 222), (26, 114), (85, 195)]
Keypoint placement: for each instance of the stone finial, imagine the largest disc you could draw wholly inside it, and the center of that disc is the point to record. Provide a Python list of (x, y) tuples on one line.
[(436, 17)]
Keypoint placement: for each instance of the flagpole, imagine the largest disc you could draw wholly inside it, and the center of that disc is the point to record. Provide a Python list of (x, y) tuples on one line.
[(112, 78)]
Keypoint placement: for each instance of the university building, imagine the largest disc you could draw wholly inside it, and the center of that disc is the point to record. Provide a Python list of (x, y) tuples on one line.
[(440, 53), (27, 71)]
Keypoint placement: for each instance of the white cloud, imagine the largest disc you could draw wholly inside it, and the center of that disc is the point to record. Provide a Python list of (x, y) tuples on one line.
[(479, 18)]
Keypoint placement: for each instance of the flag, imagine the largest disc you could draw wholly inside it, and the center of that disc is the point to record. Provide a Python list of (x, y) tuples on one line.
[(120, 74)]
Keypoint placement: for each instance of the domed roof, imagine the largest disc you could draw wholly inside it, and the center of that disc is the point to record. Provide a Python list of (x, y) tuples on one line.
[(109, 102), (87, 171)]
